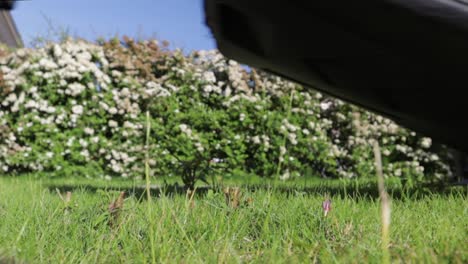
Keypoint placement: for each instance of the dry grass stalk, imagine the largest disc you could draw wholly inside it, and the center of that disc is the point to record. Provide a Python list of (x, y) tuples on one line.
[(190, 197), (248, 201), (233, 196), (385, 203), (115, 208), (66, 200)]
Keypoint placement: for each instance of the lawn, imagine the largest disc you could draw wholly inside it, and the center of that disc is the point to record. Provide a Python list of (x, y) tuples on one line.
[(274, 223)]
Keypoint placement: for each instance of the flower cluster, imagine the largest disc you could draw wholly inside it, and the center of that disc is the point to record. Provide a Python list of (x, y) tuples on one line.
[(79, 108)]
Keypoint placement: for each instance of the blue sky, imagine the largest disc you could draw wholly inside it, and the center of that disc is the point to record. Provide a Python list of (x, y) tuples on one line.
[(181, 22)]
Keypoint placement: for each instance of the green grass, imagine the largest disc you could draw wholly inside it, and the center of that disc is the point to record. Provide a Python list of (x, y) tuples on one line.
[(283, 224)]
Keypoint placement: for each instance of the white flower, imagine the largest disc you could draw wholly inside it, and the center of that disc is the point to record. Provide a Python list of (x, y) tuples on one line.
[(325, 105), (75, 89), (305, 131), (341, 116), (392, 128), (227, 92), (5, 168), (47, 64), (180, 72), (83, 143), (113, 110), (386, 152), (116, 74), (292, 138), (420, 169), (57, 51), (256, 140), (336, 151), (95, 140), (291, 127), (30, 104), (426, 142), (70, 141), (84, 153), (104, 105), (232, 63), (49, 155), (128, 124), (397, 172), (11, 98), (183, 127), (21, 53), (77, 109), (241, 117), (282, 150), (199, 147), (217, 160), (112, 123), (48, 75), (209, 76), (51, 109), (208, 89), (327, 122), (400, 148), (286, 175), (311, 125), (88, 131)]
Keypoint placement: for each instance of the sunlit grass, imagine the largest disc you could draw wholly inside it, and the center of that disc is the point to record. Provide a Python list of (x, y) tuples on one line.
[(285, 224)]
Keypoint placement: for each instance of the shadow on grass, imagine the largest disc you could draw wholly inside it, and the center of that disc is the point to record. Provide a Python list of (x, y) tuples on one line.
[(335, 189), (138, 191)]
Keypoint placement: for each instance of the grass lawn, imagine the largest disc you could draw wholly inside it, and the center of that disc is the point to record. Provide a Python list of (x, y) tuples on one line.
[(275, 223)]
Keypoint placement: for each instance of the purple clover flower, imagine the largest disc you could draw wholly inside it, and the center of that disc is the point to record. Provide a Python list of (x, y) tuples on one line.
[(326, 206)]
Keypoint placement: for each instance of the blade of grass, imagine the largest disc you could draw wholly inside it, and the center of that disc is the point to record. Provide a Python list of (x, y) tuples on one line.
[(148, 187), (385, 204)]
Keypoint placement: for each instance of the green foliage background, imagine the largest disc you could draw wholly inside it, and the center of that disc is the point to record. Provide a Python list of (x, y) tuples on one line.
[(78, 108)]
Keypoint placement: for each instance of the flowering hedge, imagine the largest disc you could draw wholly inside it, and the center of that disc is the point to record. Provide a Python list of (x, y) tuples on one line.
[(79, 108)]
